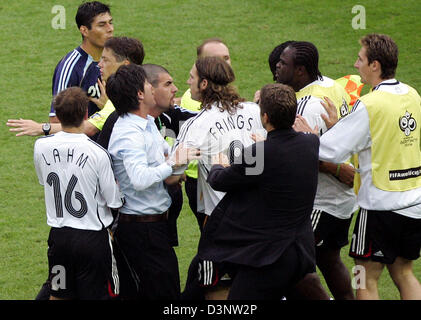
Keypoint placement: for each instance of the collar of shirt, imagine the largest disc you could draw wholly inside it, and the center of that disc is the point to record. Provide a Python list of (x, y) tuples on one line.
[(324, 81), (139, 121), (388, 82)]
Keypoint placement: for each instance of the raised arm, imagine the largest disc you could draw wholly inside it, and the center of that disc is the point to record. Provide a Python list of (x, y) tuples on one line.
[(27, 127)]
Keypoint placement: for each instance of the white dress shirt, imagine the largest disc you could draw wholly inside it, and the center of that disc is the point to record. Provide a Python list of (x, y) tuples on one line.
[(138, 151)]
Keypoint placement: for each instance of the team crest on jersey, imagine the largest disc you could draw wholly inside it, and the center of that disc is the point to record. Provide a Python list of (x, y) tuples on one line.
[(407, 123)]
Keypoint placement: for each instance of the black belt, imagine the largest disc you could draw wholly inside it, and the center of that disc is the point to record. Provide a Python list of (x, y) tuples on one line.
[(144, 217)]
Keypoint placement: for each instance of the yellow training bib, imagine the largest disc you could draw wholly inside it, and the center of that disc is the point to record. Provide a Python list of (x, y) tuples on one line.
[(395, 149)]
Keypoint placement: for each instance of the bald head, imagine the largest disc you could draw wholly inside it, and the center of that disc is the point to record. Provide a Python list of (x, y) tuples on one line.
[(214, 47)]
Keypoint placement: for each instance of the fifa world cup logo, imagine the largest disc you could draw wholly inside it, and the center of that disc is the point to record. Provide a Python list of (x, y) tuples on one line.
[(407, 123)]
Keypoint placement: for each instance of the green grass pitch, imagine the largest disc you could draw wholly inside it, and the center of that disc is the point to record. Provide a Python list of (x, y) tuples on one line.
[(170, 31)]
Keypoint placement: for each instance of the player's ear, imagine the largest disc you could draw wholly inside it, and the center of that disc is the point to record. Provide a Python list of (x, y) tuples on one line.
[(203, 84), (375, 66), (140, 95), (265, 117), (84, 31), (86, 115), (126, 62), (300, 70)]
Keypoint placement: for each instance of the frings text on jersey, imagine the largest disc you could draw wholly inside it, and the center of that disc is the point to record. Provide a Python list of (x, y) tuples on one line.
[(230, 123)]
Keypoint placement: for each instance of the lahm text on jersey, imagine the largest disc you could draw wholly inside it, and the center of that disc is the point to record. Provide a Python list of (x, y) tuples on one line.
[(230, 123), (70, 157)]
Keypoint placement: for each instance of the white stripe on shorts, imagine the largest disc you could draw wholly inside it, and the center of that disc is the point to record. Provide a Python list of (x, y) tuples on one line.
[(315, 217), (114, 271), (362, 226)]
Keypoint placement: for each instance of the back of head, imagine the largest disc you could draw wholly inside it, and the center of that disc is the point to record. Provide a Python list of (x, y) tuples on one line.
[(123, 86), (214, 47), (199, 49), (88, 11), (219, 76), (306, 55), (279, 102), (382, 48), (274, 56), (152, 73), (126, 48), (71, 106)]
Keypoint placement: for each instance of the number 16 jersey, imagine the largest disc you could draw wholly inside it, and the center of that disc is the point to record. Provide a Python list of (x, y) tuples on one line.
[(78, 180)]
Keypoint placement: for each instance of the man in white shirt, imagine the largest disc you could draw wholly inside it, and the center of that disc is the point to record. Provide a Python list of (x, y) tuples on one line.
[(387, 140), (386, 135), (80, 189), (211, 47), (140, 164), (224, 124), (335, 198)]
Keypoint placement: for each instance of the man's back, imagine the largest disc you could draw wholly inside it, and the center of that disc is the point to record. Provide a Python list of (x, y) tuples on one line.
[(78, 181), (214, 131), (288, 182), (333, 196), (267, 211)]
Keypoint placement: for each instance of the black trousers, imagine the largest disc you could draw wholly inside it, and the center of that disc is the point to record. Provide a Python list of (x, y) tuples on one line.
[(176, 194), (191, 191), (270, 282), (146, 261)]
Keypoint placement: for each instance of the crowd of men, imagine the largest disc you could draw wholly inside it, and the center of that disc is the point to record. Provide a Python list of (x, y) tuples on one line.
[(273, 183)]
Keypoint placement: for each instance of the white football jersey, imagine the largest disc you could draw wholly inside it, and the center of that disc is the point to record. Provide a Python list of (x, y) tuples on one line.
[(332, 196), (78, 180), (214, 131)]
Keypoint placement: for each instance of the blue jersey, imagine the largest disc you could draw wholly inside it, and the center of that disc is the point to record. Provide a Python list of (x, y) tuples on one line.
[(77, 69)]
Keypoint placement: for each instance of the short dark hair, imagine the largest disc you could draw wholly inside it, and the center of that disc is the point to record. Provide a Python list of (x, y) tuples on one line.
[(279, 102), (87, 12), (274, 56), (306, 55), (71, 106), (219, 76), (199, 49), (152, 73), (123, 86), (382, 48), (126, 48)]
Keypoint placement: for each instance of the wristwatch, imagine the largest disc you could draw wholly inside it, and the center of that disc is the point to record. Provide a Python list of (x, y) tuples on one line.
[(46, 127)]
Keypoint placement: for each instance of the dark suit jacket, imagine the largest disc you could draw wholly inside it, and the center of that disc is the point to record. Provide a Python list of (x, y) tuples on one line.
[(262, 215)]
